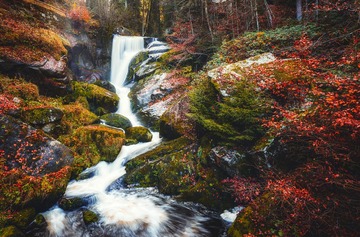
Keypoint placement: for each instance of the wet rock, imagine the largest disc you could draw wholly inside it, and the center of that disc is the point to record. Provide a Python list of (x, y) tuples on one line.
[(116, 120), (136, 63), (228, 160), (157, 48), (153, 95), (139, 133), (90, 217), (174, 122), (50, 75), (39, 164), (87, 174), (37, 226), (174, 168), (70, 204), (145, 71), (105, 84)]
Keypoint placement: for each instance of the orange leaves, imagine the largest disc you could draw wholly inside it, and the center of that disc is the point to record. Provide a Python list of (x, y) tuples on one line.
[(302, 46), (80, 13)]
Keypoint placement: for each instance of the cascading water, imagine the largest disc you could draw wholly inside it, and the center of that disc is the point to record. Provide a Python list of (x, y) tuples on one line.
[(122, 211)]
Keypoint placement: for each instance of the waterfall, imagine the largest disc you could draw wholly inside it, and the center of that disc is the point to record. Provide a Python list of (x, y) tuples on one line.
[(123, 211)]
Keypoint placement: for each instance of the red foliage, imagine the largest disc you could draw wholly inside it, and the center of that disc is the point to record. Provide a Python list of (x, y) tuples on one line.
[(321, 110), (7, 103), (244, 190), (79, 13)]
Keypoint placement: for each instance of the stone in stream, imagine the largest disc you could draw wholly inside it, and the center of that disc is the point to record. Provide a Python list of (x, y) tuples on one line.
[(116, 120), (141, 134)]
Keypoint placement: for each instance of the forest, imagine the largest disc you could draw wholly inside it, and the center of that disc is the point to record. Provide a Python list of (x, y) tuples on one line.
[(257, 103)]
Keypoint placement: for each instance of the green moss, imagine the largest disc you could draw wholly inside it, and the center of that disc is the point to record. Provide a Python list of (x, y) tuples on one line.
[(19, 88), (70, 204), (97, 97), (255, 43), (92, 144), (242, 225), (23, 217), (116, 120), (42, 116), (229, 119), (11, 231), (90, 217), (76, 115), (175, 169), (138, 133)]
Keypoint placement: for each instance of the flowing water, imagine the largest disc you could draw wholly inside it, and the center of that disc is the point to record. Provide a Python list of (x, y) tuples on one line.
[(123, 211)]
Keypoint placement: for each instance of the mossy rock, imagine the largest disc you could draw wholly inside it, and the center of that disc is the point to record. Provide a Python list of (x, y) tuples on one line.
[(134, 64), (270, 210), (23, 217), (106, 85), (92, 144), (129, 142), (90, 217), (76, 115), (70, 204), (174, 122), (21, 89), (242, 225), (37, 179), (42, 116), (97, 97), (138, 133), (116, 120), (144, 171), (175, 168), (11, 231)]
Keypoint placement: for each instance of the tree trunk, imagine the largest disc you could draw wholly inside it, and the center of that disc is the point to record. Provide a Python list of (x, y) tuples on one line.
[(298, 10), (208, 20), (256, 16), (154, 26), (269, 13)]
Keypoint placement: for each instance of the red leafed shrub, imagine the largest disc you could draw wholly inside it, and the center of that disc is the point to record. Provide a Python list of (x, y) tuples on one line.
[(6, 104), (79, 13), (244, 190)]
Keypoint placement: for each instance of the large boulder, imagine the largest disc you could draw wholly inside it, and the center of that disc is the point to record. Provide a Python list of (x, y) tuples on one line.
[(92, 144), (116, 120), (139, 133), (174, 122), (153, 95), (178, 168), (236, 71), (101, 101), (231, 161), (42, 116), (77, 115), (35, 171)]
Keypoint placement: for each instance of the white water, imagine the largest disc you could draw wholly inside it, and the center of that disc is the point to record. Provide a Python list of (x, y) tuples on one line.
[(123, 211)]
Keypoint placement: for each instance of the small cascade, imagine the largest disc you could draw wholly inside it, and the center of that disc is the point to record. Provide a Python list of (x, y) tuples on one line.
[(123, 211)]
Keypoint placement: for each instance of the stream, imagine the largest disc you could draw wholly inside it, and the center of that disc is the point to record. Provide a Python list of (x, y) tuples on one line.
[(124, 211)]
